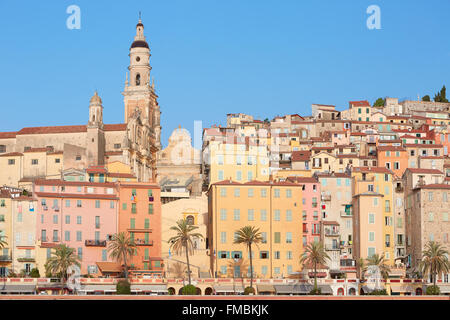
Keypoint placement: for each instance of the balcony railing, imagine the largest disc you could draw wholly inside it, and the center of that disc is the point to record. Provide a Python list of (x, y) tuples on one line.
[(331, 247), (26, 259), (331, 233), (5, 258), (95, 243), (140, 242)]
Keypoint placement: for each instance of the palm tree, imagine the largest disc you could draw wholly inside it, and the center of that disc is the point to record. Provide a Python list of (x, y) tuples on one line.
[(380, 262), (314, 254), (121, 248), (362, 269), (178, 269), (62, 258), (3, 243), (249, 235), (184, 241), (434, 260)]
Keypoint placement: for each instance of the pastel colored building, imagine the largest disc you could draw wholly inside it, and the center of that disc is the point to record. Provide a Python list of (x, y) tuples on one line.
[(140, 218), (275, 208), (394, 158), (373, 222), (82, 215), (311, 208)]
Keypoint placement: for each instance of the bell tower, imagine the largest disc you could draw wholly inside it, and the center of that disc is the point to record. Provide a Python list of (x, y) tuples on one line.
[(139, 93)]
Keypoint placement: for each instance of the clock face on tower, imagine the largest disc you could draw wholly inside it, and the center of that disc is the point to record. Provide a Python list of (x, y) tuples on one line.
[(138, 59)]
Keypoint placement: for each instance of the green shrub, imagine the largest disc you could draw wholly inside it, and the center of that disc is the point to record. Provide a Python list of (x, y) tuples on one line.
[(433, 291), (381, 292), (35, 273), (123, 287), (315, 292), (249, 290), (189, 290)]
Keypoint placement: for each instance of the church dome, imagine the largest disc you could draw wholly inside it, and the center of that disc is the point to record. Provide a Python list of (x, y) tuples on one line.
[(139, 44), (96, 99)]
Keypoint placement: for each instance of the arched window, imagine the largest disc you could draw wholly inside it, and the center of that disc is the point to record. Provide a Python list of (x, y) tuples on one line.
[(138, 79), (340, 292), (418, 291), (352, 291), (190, 220)]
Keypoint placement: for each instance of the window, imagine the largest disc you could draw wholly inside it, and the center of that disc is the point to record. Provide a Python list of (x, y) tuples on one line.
[(19, 217), (78, 219), (304, 215), (249, 175), (223, 237), (338, 182), (445, 216), (150, 208), (146, 224), (288, 193), (111, 204), (263, 215), (277, 193), (79, 236), (264, 237), (430, 216), (288, 237), (277, 237), (11, 162), (97, 204), (316, 215), (67, 235), (133, 208), (80, 253), (97, 222), (276, 215), (250, 192), (237, 192), (55, 218), (79, 204), (223, 214), (264, 254), (237, 215), (238, 175), (371, 218), (263, 193), (430, 196), (387, 206), (251, 215), (288, 215), (78, 158), (67, 219), (34, 161), (371, 236), (264, 270), (223, 192)]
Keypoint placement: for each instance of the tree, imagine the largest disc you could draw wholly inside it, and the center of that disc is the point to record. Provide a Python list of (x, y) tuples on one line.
[(441, 95), (3, 243), (362, 268), (35, 273), (314, 255), (426, 98), (379, 102), (178, 269), (379, 261), (434, 260), (62, 258), (248, 235), (121, 248), (184, 241)]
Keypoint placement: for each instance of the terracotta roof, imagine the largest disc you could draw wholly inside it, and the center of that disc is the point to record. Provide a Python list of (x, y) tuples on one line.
[(7, 135), (348, 155), (120, 175), (76, 195), (431, 157), (54, 129), (109, 267), (372, 169), (362, 103), (56, 182), (423, 170), (115, 127), (358, 134), (11, 154), (330, 222), (37, 150), (301, 155), (113, 153), (96, 169), (302, 180), (333, 175)]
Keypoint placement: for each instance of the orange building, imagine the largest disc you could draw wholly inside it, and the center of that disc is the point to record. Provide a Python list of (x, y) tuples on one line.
[(140, 217), (394, 158)]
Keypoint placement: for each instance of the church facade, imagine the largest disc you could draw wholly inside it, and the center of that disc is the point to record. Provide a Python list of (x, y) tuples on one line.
[(46, 152)]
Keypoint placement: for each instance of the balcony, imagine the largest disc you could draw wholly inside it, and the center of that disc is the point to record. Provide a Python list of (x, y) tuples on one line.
[(346, 213), (331, 233), (26, 259), (330, 247), (95, 243), (5, 258), (140, 242)]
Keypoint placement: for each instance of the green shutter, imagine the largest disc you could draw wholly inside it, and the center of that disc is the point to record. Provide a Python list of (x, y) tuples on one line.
[(147, 224), (150, 208)]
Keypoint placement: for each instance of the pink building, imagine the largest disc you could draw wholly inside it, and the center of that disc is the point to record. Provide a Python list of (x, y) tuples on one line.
[(311, 210), (82, 215)]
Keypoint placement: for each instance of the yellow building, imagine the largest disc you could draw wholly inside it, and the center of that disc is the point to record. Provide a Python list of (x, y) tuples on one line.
[(5, 230), (373, 223), (273, 207), (238, 160)]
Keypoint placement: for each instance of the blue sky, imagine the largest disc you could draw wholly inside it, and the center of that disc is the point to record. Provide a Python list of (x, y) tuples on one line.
[(212, 57)]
